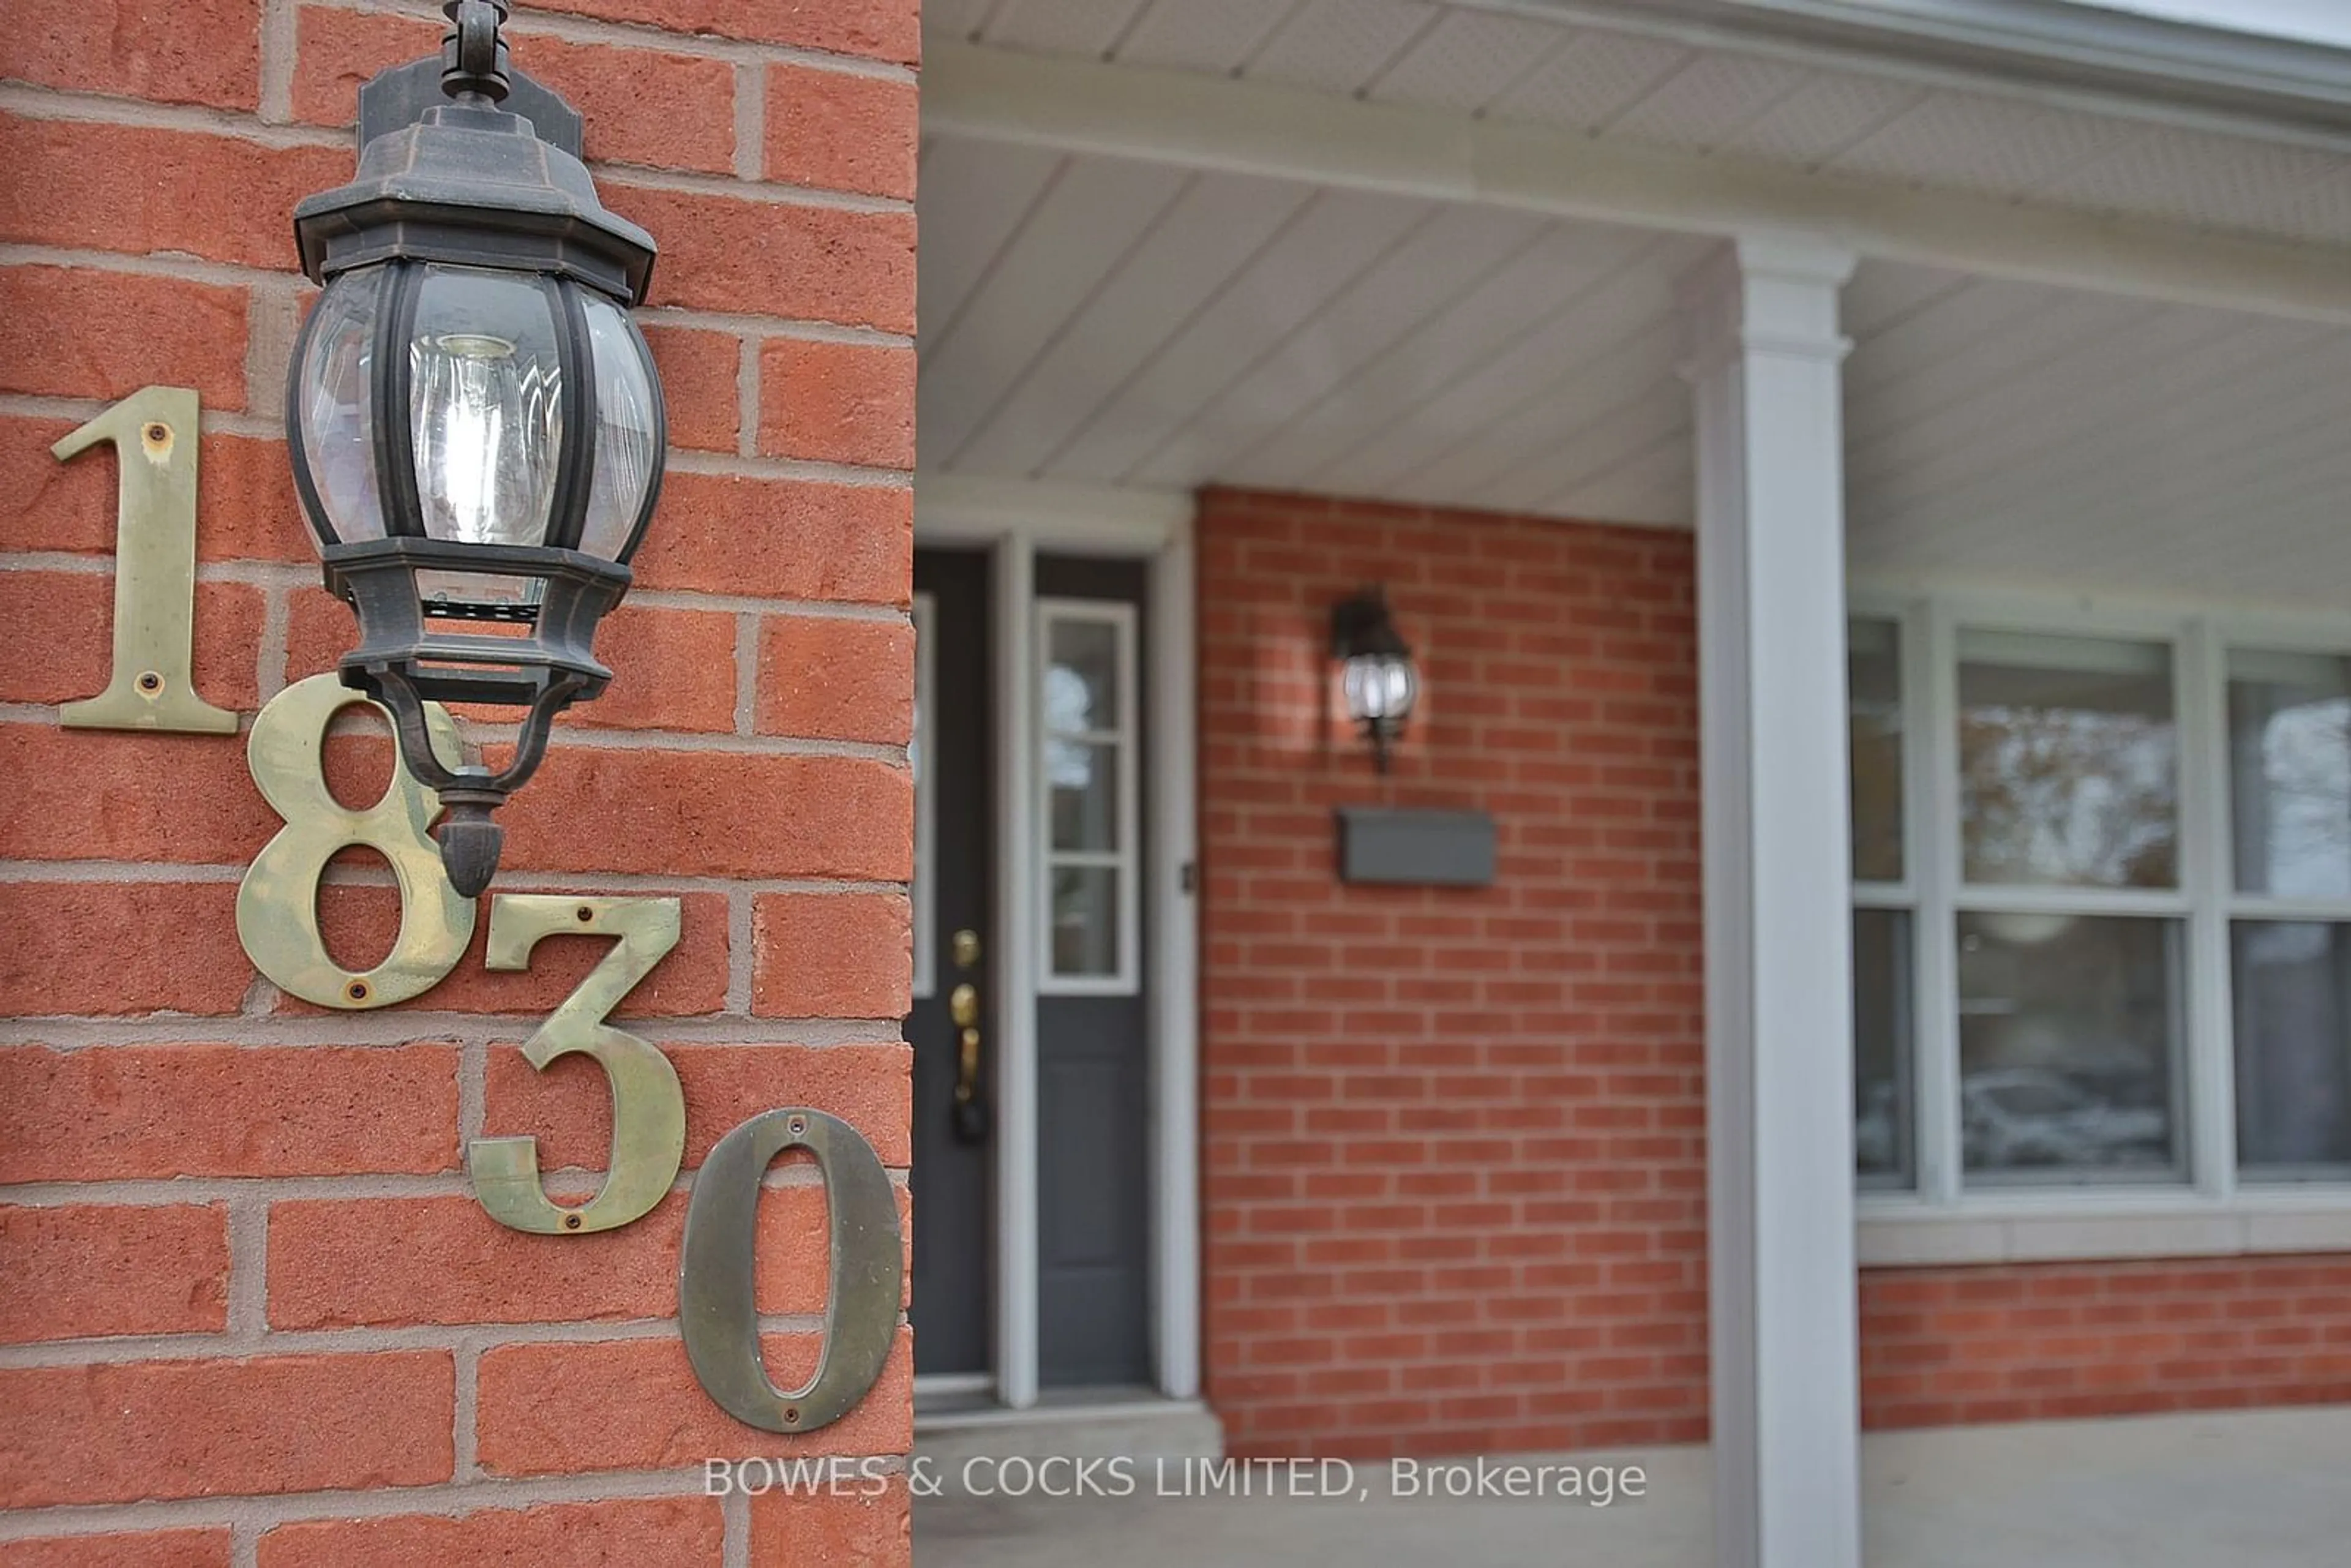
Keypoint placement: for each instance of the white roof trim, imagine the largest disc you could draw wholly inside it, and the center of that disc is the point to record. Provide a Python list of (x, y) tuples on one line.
[(2170, 65), (1192, 121)]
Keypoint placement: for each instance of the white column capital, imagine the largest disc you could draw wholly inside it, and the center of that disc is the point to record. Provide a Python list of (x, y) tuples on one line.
[(1772, 293)]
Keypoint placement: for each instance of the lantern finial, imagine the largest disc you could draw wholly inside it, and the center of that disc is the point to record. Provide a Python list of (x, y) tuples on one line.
[(472, 52)]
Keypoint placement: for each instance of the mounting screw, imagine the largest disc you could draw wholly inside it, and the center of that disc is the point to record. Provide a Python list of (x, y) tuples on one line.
[(357, 991), (571, 1222), (151, 682)]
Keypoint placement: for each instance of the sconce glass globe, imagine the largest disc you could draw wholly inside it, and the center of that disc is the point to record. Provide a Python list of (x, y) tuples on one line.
[(1377, 675)]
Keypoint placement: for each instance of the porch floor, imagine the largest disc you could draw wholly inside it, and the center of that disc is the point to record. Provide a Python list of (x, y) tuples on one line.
[(2258, 1489)]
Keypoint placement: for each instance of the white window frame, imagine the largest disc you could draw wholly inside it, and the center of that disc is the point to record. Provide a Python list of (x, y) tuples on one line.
[(2212, 1213), (921, 894), (1127, 858)]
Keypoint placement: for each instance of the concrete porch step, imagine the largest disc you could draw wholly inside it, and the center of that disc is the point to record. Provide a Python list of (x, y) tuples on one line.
[(1077, 1424)]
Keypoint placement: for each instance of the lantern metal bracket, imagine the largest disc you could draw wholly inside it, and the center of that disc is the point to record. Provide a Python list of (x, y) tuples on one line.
[(397, 99), (471, 843), (403, 662)]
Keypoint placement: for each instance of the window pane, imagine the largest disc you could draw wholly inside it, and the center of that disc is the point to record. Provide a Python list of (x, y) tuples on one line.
[(1085, 921), (1873, 679), (2068, 761), (1881, 1047), (2289, 773), (1084, 778), (2069, 1038), (2294, 1045), (1081, 676)]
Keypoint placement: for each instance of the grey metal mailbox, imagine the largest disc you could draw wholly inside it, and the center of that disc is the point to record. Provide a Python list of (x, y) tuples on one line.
[(1427, 848)]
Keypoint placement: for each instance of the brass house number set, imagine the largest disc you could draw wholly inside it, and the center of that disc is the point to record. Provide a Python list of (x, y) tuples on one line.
[(150, 687)]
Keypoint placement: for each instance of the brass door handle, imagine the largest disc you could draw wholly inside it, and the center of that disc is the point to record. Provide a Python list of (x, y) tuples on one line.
[(971, 1119)]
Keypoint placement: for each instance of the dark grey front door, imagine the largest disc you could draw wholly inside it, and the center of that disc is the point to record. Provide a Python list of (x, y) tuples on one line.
[(954, 1183), (1093, 1239), (1092, 1064)]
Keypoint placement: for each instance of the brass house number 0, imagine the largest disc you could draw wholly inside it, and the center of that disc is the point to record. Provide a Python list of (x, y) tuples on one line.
[(151, 686)]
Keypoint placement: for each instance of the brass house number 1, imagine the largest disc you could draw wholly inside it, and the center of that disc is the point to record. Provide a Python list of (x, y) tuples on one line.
[(151, 686)]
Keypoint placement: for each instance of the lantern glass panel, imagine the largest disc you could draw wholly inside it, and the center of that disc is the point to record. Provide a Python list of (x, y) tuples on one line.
[(338, 407), (628, 431), (485, 412), (1381, 687)]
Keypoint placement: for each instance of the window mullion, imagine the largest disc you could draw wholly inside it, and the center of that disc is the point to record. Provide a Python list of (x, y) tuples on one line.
[(1930, 683), (2207, 876)]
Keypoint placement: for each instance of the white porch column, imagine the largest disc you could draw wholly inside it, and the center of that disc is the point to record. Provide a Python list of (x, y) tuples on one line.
[(1764, 358)]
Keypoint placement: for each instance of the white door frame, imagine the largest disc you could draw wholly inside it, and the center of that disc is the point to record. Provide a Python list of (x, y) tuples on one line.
[(1013, 520)]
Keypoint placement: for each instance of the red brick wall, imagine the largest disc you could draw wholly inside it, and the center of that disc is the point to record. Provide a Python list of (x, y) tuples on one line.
[(1942, 1346), (242, 1273), (1455, 1139)]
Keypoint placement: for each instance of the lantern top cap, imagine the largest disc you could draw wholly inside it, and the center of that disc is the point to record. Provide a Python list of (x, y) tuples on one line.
[(1361, 626), (463, 180)]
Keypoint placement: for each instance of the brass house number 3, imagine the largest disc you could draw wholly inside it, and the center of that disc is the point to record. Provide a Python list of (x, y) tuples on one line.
[(151, 686)]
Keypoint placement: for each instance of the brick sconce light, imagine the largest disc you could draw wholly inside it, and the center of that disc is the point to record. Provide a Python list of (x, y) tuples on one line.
[(476, 424)]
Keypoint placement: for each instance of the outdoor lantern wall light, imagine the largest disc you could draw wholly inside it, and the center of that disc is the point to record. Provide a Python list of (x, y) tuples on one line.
[(476, 424), (1377, 672)]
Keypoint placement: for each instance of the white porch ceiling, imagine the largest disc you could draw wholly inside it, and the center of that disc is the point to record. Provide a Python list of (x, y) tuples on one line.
[(1094, 322), (1090, 320)]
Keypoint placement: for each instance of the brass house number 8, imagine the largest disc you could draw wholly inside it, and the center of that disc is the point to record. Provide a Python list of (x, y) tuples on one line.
[(151, 686)]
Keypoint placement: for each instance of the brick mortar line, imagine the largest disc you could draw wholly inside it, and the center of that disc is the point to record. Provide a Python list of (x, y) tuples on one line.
[(273, 317), (247, 1320), (466, 1415), (521, 881), (746, 672), (738, 466), (679, 460), (569, 28), (735, 1544), (771, 327), (30, 100), (750, 120), (596, 738), (444, 1500), (742, 967), (473, 1092), (746, 398), (271, 653), (175, 265), (767, 192), (245, 273), (703, 740), (295, 575), (458, 1339), (192, 1191), (212, 421), (85, 1033), (279, 50)]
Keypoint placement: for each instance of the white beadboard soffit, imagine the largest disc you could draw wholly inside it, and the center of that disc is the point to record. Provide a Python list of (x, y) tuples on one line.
[(1090, 321)]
